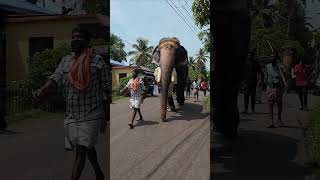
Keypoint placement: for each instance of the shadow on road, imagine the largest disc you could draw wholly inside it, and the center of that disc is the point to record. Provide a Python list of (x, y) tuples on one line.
[(9, 132), (246, 119), (256, 155), (292, 127), (146, 123), (189, 112)]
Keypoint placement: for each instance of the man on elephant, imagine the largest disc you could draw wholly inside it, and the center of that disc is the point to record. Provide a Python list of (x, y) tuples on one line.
[(231, 35)]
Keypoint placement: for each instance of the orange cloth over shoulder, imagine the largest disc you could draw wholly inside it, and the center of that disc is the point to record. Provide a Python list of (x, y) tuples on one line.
[(79, 74), (135, 84)]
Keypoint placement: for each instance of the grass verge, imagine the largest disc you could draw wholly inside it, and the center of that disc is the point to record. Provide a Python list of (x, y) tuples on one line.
[(33, 114), (312, 138), (115, 98), (206, 104)]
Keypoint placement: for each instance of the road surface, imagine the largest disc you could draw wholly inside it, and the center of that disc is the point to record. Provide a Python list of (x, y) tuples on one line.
[(177, 149), (35, 151), (263, 153)]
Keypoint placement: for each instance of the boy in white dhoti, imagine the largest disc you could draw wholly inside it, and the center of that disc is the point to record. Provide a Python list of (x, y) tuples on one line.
[(135, 85)]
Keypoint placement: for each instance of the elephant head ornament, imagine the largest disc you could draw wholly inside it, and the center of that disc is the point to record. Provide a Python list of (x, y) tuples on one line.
[(171, 58)]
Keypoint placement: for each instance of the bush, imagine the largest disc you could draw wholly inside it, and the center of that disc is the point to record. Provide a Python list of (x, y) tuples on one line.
[(312, 135), (43, 64), (116, 91), (122, 83), (19, 97), (206, 104)]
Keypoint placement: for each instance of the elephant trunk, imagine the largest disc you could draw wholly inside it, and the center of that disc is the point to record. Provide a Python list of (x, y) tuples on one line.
[(166, 71)]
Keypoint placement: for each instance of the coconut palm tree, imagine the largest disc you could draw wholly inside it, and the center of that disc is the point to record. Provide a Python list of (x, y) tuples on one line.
[(201, 56), (191, 63), (142, 53), (262, 12)]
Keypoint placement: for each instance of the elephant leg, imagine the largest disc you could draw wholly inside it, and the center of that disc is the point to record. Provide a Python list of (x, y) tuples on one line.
[(180, 95), (231, 40)]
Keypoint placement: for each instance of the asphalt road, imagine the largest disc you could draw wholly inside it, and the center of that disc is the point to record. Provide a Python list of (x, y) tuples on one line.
[(177, 149), (35, 151), (263, 153)]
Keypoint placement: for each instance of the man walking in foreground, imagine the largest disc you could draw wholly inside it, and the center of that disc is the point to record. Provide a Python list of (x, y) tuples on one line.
[(84, 79)]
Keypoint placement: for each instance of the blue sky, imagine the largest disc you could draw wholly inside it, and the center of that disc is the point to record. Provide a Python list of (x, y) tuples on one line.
[(153, 20)]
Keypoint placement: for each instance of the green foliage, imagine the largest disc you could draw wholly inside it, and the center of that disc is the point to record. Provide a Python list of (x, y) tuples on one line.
[(116, 91), (94, 7), (312, 135), (142, 53), (197, 68), (201, 14), (277, 39), (19, 97), (284, 24), (122, 83), (205, 37), (117, 51), (43, 64)]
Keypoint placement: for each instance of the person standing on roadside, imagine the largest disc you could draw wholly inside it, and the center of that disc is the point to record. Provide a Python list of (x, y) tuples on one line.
[(252, 73), (195, 87), (188, 88), (302, 75), (275, 87), (204, 87)]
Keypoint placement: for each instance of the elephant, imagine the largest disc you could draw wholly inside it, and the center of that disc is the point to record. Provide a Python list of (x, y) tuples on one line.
[(231, 37), (170, 56)]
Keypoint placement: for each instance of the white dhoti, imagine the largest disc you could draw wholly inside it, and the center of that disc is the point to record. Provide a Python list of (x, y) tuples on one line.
[(82, 131), (135, 102), (155, 90)]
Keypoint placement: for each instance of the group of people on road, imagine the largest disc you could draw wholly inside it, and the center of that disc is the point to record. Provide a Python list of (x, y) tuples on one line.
[(272, 79), (135, 87), (195, 86)]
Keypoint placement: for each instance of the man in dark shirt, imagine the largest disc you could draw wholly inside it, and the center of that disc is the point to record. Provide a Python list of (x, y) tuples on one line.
[(252, 71)]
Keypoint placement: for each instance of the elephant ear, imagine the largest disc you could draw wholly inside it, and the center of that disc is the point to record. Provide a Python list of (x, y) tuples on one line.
[(156, 55), (182, 56)]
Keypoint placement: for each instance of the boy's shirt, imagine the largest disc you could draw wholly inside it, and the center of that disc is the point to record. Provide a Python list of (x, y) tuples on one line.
[(138, 92)]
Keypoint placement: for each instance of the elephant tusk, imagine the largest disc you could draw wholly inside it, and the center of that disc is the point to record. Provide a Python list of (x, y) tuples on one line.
[(157, 74), (174, 76)]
